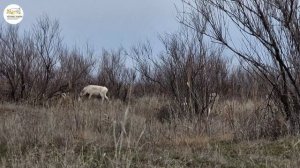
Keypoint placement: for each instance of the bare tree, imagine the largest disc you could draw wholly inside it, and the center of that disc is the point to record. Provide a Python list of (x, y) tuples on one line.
[(35, 66), (73, 71), (114, 74), (9, 49), (16, 63), (148, 68), (268, 37), (47, 43), (187, 71)]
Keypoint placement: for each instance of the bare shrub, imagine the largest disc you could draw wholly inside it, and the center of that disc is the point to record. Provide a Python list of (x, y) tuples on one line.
[(73, 71), (269, 34), (17, 63), (47, 43), (35, 66), (113, 73), (251, 119), (165, 114), (187, 71)]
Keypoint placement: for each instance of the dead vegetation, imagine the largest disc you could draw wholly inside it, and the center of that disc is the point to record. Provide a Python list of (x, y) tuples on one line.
[(92, 134), (188, 106)]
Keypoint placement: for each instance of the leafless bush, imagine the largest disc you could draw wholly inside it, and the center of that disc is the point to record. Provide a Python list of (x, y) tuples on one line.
[(17, 63), (187, 71), (35, 66), (114, 74), (73, 72), (244, 83), (47, 43), (269, 42), (251, 119)]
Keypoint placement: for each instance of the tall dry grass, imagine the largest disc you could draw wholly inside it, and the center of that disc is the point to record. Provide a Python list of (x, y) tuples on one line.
[(115, 134)]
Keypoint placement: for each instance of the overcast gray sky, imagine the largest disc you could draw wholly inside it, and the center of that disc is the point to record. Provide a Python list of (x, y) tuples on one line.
[(103, 23)]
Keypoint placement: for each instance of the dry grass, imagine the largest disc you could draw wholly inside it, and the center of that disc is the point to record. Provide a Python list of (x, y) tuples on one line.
[(91, 134)]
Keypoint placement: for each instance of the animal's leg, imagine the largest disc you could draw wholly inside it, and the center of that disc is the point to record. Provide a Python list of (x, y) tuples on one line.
[(102, 97), (90, 96), (106, 98)]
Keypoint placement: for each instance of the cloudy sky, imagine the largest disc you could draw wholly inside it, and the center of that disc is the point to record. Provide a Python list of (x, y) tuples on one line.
[(104, 23)]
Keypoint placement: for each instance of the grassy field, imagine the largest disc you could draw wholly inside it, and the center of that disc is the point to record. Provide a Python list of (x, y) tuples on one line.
[(91, 134)]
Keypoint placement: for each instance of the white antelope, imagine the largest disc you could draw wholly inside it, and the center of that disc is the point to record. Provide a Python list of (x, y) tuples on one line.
[(94, 90)]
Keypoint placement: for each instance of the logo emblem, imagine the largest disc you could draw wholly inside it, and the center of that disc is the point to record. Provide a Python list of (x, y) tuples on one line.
[(13, 14)]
